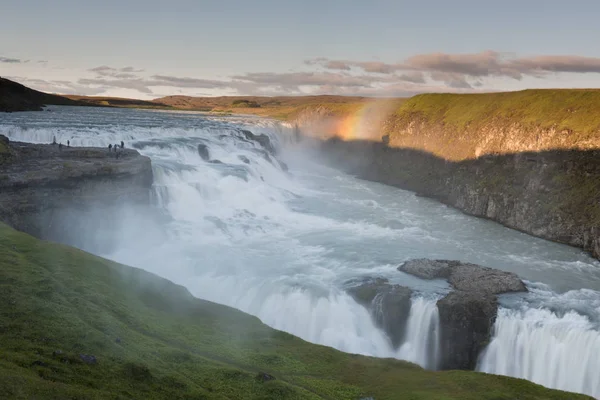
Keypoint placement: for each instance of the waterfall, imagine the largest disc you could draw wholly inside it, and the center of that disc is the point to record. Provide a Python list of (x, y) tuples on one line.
[(557, 351), (421, 342)]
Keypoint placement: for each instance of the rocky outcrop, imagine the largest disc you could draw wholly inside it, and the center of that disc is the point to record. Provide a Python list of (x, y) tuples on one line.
[(466, 277), (553, 195), (203, 152), (388, 304), (39, 183), (467, 314), (261, 139)]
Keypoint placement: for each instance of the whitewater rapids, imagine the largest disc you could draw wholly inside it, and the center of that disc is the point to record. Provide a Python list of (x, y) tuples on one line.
[(282, 245)]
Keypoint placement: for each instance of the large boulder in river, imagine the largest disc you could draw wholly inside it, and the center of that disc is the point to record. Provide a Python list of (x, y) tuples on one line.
[(388, 304), (468, 313)]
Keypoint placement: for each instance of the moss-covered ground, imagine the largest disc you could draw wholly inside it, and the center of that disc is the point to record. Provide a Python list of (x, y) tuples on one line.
[(152, 340)]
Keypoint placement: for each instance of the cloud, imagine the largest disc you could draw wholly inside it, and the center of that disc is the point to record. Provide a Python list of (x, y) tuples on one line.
[(451, 79), (471, 66), (413, 76), (140, 85), (575, 64), (367, 66), (11, 60), (108, 79), (163, 80), (120, 73), (58, 86), (130, 69), (293, 81)]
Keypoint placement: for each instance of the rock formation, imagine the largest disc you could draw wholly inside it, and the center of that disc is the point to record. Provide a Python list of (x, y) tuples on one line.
[(203, 152), (467, 314), (388, 304), (261, 139)]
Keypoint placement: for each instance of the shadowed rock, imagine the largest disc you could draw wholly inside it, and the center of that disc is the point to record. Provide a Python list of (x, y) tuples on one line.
[(466, 319), (203, 152), (261, 139), (388, 304)]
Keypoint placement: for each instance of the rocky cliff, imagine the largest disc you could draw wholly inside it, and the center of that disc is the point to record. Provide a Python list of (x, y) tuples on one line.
[(551, 194), (41, 184)]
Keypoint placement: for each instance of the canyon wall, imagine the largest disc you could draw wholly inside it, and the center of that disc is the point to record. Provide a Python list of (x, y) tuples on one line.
[(529, 160), (554, 195)]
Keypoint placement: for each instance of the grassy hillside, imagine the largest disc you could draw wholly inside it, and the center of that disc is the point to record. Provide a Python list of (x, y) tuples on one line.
[(572, 109), (151, 339), (16, 97), (103, 101), (283, 107)]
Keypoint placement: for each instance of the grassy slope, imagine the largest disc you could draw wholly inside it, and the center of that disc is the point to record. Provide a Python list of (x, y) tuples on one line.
[(172, 345), (572, 109), (16, 97), (117, 102)]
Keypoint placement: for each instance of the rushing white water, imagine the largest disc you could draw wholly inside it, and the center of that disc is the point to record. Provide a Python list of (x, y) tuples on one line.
[(422, 343), (282, 246), (561, 352)]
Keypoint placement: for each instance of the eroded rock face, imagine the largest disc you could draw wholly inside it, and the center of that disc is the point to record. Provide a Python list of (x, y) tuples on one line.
[(388, 304), (468, 313)]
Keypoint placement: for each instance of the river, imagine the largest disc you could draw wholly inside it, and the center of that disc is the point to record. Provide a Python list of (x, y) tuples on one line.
[(284, 245)]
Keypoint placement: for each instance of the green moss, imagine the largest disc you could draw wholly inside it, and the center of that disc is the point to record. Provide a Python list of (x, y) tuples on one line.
[(152, 339)]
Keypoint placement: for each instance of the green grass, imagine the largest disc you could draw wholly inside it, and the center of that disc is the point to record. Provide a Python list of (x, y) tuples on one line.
[(153, 340), (569, 109)]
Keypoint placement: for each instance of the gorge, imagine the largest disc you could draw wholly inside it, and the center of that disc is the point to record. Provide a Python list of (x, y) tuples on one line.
[(238, 229)]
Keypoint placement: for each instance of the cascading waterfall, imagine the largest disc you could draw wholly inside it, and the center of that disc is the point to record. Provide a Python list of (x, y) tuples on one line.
[(242, 232), (422, 339), (561, 352)]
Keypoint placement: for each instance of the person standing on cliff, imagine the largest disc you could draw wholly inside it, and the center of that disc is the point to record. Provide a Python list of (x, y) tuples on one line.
[(68, 143), (122, 144)]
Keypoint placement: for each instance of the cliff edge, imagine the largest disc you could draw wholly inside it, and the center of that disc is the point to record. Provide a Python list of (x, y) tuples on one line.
[(39, 181)]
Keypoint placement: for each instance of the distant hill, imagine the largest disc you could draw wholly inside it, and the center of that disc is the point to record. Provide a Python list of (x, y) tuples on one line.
[(16, 97), (103, 101), (282, 107)]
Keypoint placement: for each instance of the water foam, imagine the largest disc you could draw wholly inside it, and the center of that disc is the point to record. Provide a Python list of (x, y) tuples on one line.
[(557, 351)]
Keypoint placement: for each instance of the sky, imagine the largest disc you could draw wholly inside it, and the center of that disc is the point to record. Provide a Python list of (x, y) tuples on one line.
[(149, 49)]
